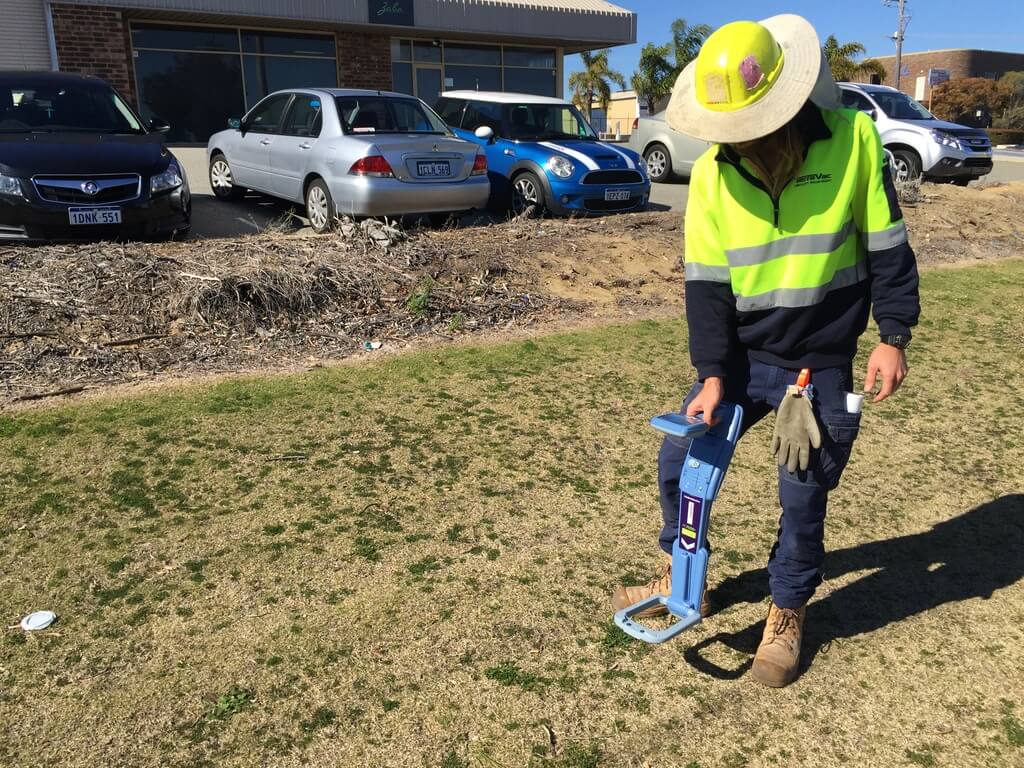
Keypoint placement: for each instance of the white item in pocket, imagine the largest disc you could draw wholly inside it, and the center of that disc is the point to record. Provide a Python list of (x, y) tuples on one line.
[(854, 402)]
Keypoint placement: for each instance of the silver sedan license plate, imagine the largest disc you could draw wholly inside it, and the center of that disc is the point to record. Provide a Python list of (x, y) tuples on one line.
[(616, 195), (434, 168), (94, 215)]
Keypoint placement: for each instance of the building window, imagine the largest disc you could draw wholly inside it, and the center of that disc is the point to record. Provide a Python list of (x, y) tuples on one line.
[(266, 74), (465, 66), (195, 92), (198, 77)]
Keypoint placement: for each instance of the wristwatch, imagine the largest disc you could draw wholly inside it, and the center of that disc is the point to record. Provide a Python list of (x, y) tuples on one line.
[(897, 340)]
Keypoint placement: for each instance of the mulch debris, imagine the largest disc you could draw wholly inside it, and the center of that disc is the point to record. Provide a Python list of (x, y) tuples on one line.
[(78, 316)]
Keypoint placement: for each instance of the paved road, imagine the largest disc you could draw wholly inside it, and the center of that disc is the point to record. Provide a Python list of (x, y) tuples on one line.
[(213, 218)]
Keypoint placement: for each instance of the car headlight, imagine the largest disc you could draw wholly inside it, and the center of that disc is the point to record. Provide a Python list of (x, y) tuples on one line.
[(10, 185), (947, 140), (560, 166), (169, 179)]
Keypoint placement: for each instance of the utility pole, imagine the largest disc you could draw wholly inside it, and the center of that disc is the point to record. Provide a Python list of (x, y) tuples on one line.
[(901, 29)]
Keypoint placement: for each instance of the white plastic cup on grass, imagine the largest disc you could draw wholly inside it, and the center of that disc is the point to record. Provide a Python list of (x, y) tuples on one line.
[(38, 620)]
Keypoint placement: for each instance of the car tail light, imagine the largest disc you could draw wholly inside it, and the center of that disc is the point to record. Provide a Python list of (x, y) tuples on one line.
[(636, 123), (479, 165), (373, 165)]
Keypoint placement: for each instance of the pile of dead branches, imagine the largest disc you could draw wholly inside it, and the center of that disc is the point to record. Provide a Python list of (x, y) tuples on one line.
[(73, 316)]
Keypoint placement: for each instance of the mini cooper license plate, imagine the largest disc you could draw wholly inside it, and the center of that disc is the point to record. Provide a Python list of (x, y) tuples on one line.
[(94, 215), (434, 168), (616, 195)]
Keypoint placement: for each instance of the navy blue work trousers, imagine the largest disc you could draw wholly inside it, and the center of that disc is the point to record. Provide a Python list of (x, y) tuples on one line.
[(794, 565)]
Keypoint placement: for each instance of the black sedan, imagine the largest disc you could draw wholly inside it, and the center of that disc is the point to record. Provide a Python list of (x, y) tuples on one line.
[(76, 162)]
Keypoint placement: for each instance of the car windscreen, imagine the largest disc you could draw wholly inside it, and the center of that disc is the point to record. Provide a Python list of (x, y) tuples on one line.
[(543, 122), (381, 114), (69, 107), (899, 106)]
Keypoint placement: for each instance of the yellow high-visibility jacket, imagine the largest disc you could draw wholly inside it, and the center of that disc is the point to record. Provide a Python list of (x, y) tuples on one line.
[(790, 281)]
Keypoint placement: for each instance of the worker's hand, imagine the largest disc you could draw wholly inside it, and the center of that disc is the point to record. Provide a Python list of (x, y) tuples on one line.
[(707, 400), (891, 364)]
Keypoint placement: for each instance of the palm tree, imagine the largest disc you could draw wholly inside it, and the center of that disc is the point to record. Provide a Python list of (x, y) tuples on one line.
[(592, 84), (653, 80), (686, 43), (841, 60)]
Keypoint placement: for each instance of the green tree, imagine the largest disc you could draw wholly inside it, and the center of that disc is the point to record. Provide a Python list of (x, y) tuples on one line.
[(842, 60), (660, 65), (653, 80), (594, 82), (686, 43)]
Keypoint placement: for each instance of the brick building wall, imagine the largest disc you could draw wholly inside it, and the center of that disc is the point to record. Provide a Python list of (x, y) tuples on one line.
[(93, 40), (960, 63), (364, 61)]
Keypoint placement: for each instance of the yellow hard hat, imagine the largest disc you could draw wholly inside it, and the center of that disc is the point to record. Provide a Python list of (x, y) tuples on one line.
[(751, 78), (736, 66)]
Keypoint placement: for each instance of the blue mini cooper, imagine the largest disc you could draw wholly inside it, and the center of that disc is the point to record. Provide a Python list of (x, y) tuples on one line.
[(541, 152)]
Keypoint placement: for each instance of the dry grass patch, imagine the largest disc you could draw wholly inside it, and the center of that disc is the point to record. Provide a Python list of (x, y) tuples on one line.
[(408, 563)]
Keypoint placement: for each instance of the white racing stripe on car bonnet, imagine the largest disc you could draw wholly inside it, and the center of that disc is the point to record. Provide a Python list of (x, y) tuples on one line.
[(627, 158), (588, 163)]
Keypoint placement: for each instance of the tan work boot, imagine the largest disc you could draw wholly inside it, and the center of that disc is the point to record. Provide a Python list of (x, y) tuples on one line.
[(778, 656), (661, 584)]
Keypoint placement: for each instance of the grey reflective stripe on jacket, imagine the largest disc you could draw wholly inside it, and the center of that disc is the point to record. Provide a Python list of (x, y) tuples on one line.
[(888, 238), (802, 297), (697, 271), (789, 246)]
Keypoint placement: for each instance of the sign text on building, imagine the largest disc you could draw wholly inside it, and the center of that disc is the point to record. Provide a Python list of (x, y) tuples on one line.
[(397, 12)]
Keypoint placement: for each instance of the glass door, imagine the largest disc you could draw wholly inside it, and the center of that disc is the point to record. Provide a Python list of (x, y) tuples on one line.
[(428, 82)]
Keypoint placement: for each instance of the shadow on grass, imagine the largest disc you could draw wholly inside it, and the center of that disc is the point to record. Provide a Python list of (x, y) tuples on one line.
[(968, 556)]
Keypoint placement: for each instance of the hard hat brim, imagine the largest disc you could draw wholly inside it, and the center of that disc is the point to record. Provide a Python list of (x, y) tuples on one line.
[(805, 75)]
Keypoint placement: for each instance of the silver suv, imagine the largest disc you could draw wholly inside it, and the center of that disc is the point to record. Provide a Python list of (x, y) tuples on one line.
[(921, 144)]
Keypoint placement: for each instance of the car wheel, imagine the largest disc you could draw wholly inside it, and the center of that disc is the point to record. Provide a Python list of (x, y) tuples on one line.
[(222, 181), (659, 163), (527, 194), (320, 207), (907, 165)]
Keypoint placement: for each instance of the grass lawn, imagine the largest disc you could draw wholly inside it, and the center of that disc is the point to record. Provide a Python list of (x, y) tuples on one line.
[(407, 563)]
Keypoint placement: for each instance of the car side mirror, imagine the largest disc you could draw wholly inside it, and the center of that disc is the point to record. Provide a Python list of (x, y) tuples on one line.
[(159, 125), (235, 123), (486, 133), (874, 114)]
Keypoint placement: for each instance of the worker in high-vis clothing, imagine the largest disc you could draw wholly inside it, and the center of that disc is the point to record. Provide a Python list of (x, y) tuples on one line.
[(794, 235)]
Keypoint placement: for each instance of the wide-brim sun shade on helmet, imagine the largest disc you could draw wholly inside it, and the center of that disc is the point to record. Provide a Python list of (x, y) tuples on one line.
[(750, 79)]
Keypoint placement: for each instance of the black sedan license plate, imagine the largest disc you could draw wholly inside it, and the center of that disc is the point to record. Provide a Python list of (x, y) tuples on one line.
[(616, 194), (94, 215), (434, 168)]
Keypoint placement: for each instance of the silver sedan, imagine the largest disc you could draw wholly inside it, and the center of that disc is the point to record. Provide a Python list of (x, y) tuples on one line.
[(348, 152), (666, 151)]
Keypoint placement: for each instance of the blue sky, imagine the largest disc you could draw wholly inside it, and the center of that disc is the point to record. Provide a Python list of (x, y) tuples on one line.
[(991, 24)]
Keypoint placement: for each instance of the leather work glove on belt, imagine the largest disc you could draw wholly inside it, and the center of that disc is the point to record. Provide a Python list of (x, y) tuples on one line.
[(796, 430)]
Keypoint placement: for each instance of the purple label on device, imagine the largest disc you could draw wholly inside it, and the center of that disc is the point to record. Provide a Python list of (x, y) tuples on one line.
[(690, 509)]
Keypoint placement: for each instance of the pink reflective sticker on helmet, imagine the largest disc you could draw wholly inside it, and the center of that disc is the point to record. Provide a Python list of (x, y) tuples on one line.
[(751, 72)]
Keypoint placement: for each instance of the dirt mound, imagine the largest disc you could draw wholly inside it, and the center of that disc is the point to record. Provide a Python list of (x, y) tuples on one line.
[(953, 224), (86, 315), (80, 315)]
